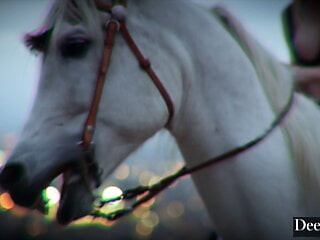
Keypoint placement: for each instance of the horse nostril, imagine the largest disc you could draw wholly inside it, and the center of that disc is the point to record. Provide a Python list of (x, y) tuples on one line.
[(11, 175)]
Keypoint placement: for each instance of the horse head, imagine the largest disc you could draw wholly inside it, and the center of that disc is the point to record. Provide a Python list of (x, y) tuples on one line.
[(131, 109)]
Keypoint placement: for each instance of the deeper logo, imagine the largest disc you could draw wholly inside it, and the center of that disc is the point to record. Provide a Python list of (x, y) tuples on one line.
[(306, 226)]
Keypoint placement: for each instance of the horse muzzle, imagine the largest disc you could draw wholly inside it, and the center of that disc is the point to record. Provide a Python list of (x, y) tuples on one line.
[(30, 170)]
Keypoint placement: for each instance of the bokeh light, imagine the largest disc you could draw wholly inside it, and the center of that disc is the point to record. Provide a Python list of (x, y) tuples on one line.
[(150, 219), (143, 230), (139, 212), (145, 177), (6, 201), (111, 192), (52, 196), (122, 172), (153, 180), (175, 209)]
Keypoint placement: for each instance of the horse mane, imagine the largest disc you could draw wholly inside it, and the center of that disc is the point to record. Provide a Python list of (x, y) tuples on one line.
[(301, 126)]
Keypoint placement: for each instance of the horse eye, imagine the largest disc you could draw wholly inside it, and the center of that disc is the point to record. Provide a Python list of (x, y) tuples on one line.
[(74, 47)]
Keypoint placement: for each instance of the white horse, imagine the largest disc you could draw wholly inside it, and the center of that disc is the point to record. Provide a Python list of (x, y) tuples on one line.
[(223, 98)]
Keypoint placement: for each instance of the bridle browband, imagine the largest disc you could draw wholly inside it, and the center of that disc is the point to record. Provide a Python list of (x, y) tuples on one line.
[(118, 24)]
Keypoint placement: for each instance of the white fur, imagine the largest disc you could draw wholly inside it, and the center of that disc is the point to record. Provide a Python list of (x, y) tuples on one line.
[(221, 101)]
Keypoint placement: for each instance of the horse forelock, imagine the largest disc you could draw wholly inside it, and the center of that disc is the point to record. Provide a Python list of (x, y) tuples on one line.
[(72, 11), (75, 12)]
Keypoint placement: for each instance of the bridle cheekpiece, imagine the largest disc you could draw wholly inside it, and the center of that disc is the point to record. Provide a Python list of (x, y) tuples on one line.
[(116, 23)]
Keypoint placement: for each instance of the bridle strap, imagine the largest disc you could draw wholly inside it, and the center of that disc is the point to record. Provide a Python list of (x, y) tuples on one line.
[(145, 64), (148, 192), (86, 142), (105, 63), (145, 193)]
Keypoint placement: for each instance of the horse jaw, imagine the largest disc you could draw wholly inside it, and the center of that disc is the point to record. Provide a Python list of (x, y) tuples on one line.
[(121, 128), (25, 178), (76, 200)]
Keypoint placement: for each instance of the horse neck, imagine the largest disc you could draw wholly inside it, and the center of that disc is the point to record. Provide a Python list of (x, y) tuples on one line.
[(222, 84), (213, 83)]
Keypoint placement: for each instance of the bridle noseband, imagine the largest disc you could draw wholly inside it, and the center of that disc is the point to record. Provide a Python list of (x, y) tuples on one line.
[(117, 24)]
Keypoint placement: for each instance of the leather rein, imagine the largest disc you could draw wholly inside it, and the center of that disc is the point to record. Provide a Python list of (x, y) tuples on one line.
[(145, 193)]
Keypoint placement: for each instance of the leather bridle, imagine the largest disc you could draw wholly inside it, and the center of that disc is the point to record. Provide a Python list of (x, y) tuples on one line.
[(112, 27), (118, 24)]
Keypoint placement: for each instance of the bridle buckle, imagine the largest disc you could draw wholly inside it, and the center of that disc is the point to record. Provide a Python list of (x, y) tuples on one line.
[(114, 21)]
